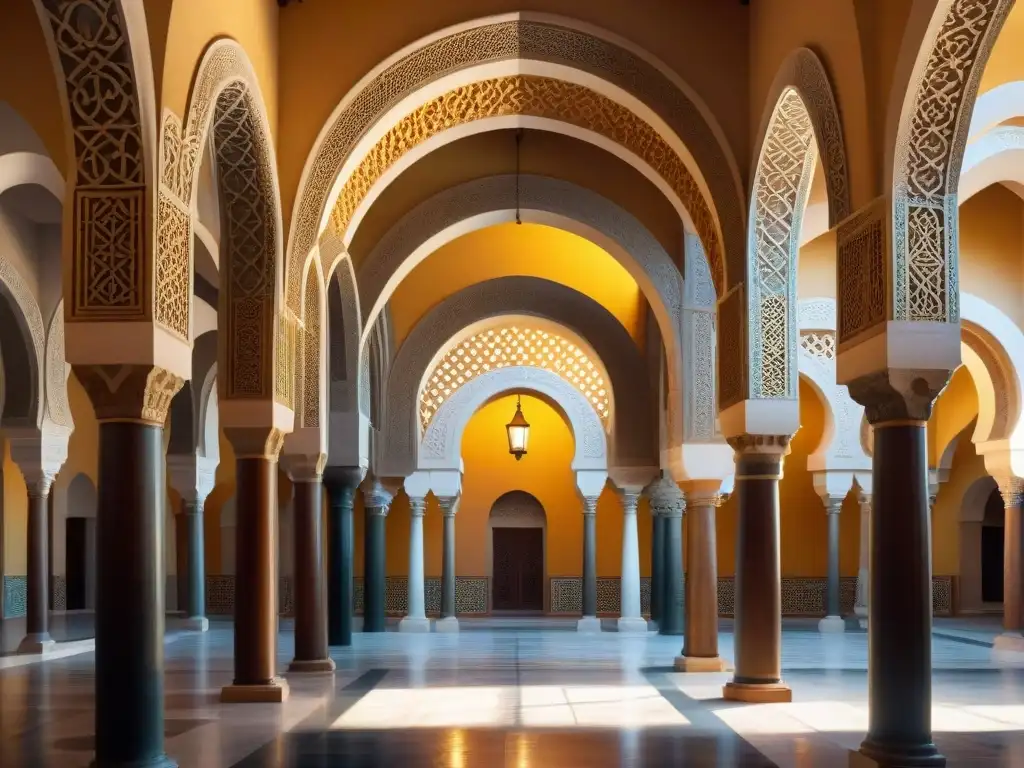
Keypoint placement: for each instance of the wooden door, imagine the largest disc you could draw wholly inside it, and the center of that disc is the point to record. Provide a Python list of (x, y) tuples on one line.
[(518, 569), (76, 562), (992, 564)]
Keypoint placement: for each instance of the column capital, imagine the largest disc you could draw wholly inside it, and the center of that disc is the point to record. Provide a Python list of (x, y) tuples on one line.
[(342, 479), (898, 396), (192, 476), (304, 468), (194, 507), (377, 498), (590, 505), (833, 503), (255, 442), (760, 445), (417, 506), (665, 497), (135, 393), (39, 454), (629, 497), (449, 505), (1012, 490), (865, 500)]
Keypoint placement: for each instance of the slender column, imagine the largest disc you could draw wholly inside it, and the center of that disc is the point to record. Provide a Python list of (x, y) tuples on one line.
[(131, 408), (1012, 490), (342, 483), (833, 621), (448, 621), (657, 564), (256, 679), (416, 618), (589, 622), (700, 640), (668, 504), (630, 619), (758, 613), (193, 477), (181, 552), (311, 654), (37, 620), (900, 627), (378, 501), (860, 607)]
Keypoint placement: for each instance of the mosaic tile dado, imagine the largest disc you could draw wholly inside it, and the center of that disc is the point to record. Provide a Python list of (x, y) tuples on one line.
[(801, 596), (220, 595), (15, 596), (471, 595)]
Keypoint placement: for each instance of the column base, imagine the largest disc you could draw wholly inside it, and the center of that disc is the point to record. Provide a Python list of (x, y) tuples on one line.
[(1009, 642), (632, 626), (409, 624), (311, 666), (700, 664), (156, 762), (757, 693), (923, 757), (274, 692), (447, 624), (189, 623), (831, 625), (589, 624), (36, 644)]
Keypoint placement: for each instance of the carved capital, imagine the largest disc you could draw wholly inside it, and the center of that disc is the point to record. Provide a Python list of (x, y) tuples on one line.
[(377, 498), (629, 498), (136, 393), (193, 507), (304, 468), (417, 506), (759, 457), (590, 505), (255, 442), (1012, 490), (449, 505), (715, 500), (193, 477), (342, 483), (898, 394), (665, 497), (833, 504)]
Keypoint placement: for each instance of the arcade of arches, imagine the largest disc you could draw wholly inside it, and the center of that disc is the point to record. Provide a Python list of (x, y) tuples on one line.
[(275, 275)]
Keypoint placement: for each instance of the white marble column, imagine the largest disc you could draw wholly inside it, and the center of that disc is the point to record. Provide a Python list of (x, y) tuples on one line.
[(448, 622), (630, 619), (833, 621), (589, 622), (416, 619), (860, 607)]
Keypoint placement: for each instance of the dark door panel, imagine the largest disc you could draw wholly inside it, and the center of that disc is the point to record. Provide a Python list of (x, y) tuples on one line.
[(518, 557)]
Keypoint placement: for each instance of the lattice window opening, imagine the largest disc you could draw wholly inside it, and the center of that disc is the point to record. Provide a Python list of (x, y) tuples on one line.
[(498, 348), (819, 344)]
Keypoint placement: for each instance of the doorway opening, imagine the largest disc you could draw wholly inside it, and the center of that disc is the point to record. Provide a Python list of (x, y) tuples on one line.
[(80, 545), (518, 532), (992, 543)]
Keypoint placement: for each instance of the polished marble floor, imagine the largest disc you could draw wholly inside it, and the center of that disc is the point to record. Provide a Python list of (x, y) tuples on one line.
[(498, 695)]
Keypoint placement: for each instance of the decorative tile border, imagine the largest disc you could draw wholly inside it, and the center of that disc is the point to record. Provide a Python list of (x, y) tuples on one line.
[(801, 595), (15, 596), (58, 594)]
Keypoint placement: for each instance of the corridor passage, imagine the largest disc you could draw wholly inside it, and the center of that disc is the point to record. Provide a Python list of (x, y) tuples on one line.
[(496, 695)]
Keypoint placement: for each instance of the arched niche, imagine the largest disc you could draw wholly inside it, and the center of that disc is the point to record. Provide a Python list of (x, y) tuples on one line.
[(80, 543), (973, 506)]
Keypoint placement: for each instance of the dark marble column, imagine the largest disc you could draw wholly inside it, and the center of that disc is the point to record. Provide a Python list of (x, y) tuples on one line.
[(700, 641), (377, 500), (129, 695), (589, 622), (448, 621), (311, 654), (37, 618), (657, 564), (181, 556), (195, 582), (897, 404), (833, 621), (256, 680), (1012, 490), (341, 483), (667, 504), (758, 612)]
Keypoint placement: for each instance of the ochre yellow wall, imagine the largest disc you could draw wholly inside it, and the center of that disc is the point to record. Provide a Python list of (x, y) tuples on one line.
[(967, 467), (991, 246), (192, 25), (816, 268), (954, 409), (803, 524), (527, 249), (490, 472), (223, 489), (15, 516), (1006, 62)]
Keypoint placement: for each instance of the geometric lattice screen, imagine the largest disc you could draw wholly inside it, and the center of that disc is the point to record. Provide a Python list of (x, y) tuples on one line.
[(504, 346)]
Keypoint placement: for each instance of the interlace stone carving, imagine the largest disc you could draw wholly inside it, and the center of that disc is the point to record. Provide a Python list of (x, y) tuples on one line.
[(781, 185), (929, 150), (311, 337), (503, 346), (505, 40), (860, 263)]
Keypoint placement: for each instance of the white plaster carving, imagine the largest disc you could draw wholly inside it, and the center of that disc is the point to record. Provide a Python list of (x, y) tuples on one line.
[(997, 156), (441, 446), (58, 409)]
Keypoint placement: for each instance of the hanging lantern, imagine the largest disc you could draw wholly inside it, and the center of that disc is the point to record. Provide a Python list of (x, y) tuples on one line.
[(518, 432)]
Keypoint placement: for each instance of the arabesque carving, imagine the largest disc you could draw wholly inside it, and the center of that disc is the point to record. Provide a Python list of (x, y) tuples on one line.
[(502, 40), (139, 393), (929, 152), (861, 265), (311, 378)]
